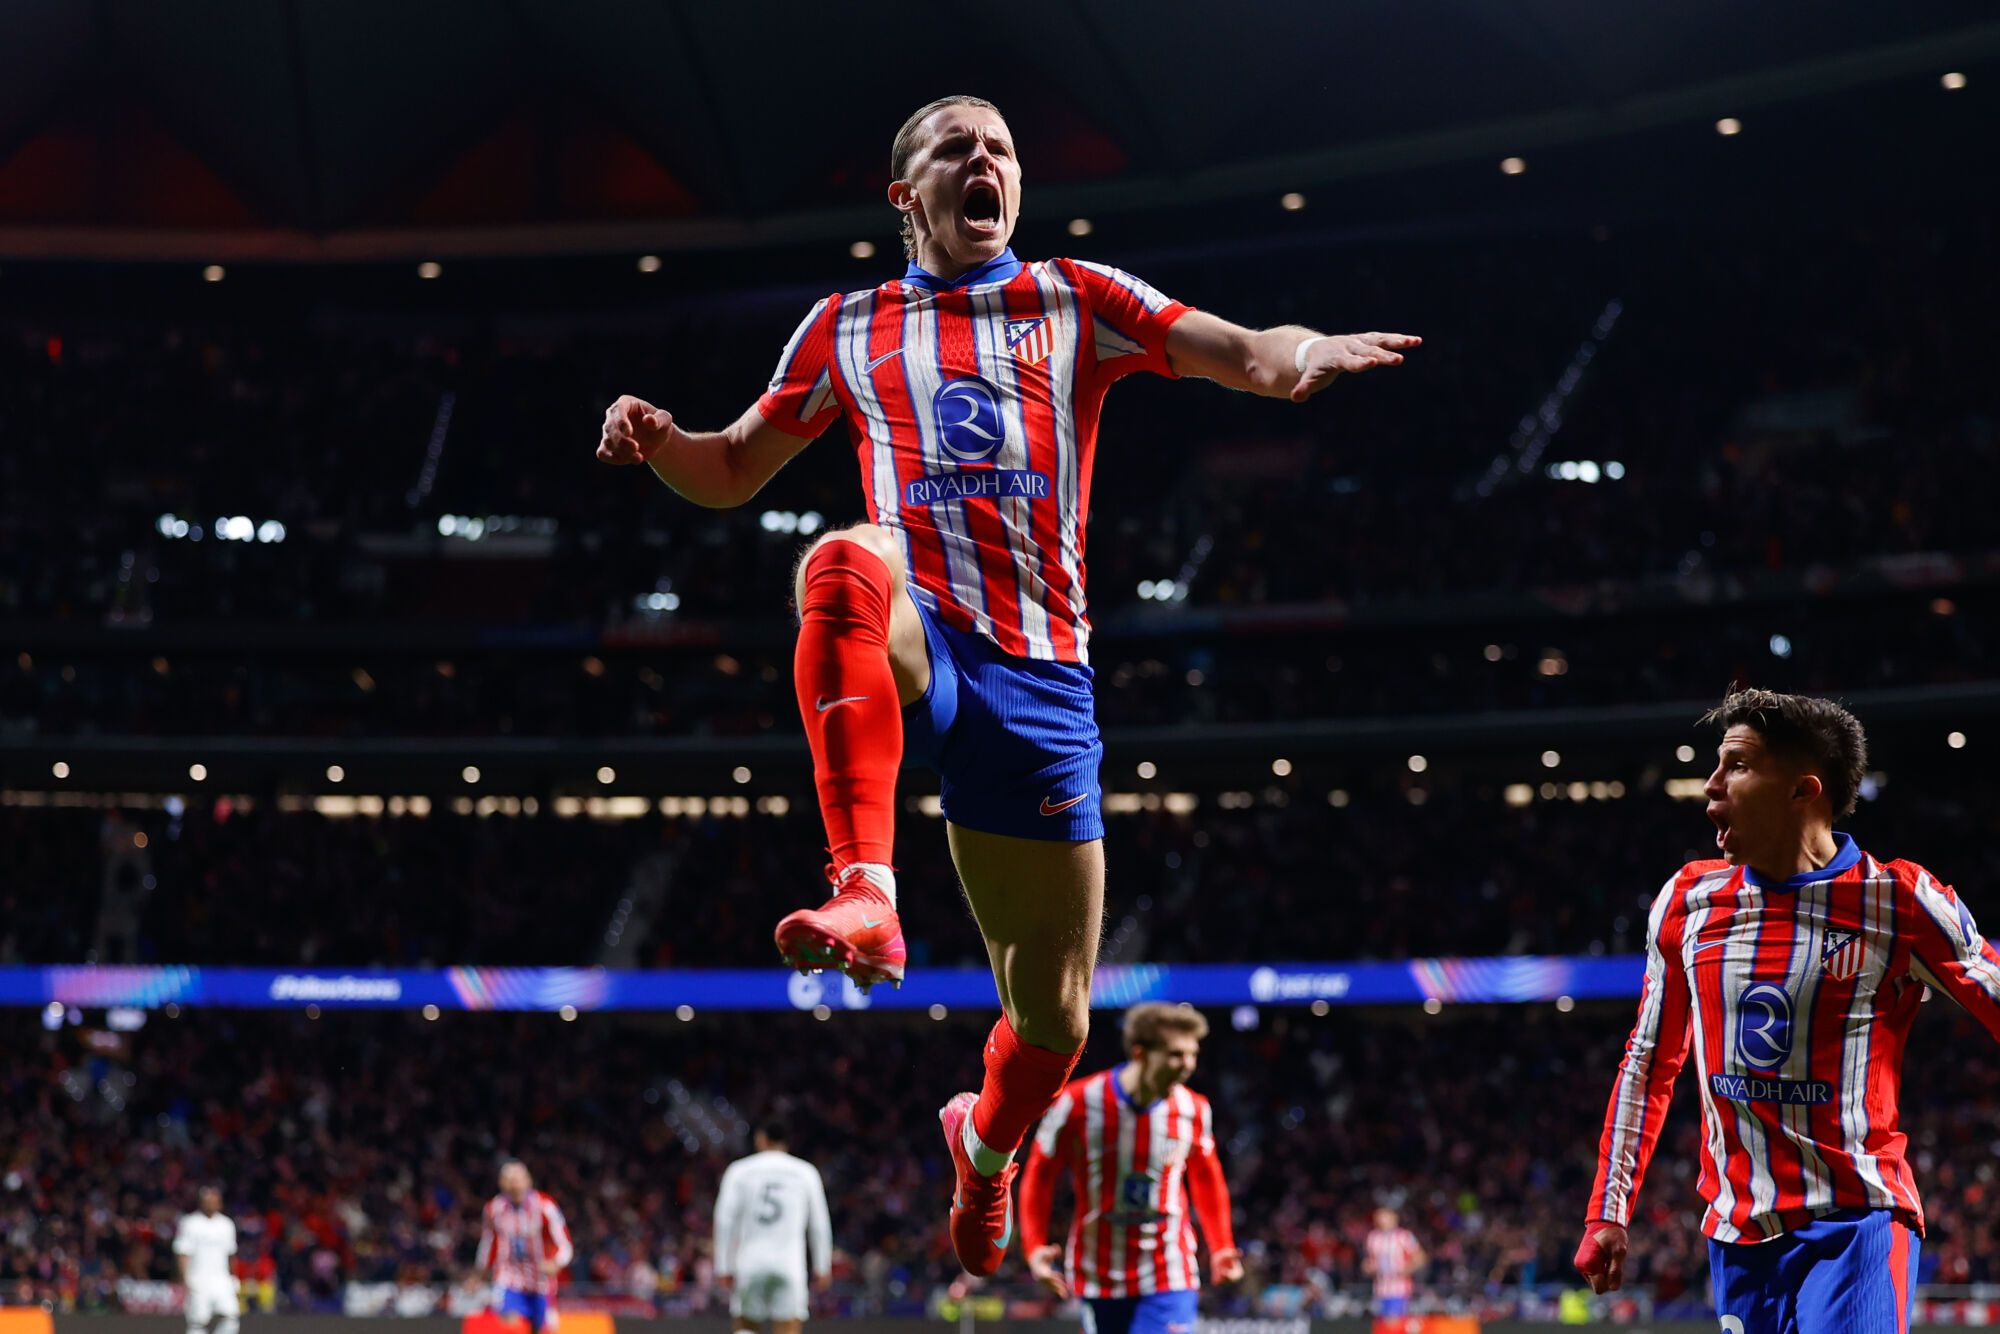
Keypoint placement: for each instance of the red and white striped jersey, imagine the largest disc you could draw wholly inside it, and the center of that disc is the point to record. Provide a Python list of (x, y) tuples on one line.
[(1796, 998), (1134, 1171), (973, 407), (1392, 1259), (516, 1238)]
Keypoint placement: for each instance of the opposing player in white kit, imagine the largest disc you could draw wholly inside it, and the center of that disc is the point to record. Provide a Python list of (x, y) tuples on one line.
[(770, 1210), (205, 1241)]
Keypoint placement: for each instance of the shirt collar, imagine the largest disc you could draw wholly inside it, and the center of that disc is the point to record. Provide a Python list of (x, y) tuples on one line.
[(1843, 860), (1001, 268)]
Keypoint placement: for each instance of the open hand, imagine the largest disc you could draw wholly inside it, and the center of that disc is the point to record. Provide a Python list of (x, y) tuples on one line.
[(1042, 1264), (1331, 355)]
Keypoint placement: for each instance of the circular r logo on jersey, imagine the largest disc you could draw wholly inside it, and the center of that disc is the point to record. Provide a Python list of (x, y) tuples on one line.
[(968, 419), (1764, 1026)]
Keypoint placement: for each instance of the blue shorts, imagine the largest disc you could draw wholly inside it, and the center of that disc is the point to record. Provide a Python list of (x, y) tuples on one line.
[(1853, 1272), (1014, 740), (1392, 1306), (1156, 1313), (532, 1307)]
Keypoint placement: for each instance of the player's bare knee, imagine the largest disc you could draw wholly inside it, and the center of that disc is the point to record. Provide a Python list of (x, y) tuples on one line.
[(868, 536), (1063, 1026)]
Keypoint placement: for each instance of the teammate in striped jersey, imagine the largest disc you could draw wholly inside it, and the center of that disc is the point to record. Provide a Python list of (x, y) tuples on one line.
[(524, 1245), (1139, 1146), (1792, 966), (955, 617), (1393, 1258)]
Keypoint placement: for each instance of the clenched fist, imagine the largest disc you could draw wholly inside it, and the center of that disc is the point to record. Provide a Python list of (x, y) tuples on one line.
[(634, 430)]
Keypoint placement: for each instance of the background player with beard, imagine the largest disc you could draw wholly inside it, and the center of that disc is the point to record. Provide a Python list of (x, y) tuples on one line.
[(1139, 1146), (1792, 966), (971, 387)]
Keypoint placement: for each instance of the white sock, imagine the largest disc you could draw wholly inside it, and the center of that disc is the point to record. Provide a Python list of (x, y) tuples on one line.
[(879, 875), (987, 1162)]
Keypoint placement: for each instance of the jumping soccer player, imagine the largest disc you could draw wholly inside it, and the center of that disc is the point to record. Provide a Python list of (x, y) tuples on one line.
[(956, 615), (1793, 965), (1139, 1145), (524, 1245)]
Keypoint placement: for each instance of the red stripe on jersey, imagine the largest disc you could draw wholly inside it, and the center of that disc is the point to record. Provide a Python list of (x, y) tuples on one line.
[(1138, 1165), (1044, 456)]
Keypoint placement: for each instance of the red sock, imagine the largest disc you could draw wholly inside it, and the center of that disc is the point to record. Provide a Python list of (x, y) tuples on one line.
[(847, 696), (1021, 1083)]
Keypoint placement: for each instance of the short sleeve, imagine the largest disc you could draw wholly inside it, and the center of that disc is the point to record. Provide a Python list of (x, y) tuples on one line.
[(1129, 319), (183, 1242), (800, 400)]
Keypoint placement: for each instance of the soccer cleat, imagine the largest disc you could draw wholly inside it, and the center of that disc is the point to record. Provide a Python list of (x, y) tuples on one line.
[(856, 931), (982, 1207)]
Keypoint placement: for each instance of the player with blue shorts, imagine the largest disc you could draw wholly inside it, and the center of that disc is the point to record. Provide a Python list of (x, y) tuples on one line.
[(1790, 967), (955, 618)]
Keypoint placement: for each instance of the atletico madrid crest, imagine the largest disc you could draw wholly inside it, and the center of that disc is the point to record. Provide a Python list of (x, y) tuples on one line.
[(1845, 955), (1029, 340)]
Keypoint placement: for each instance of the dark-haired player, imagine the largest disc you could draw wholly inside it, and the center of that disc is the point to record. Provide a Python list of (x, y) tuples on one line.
[(1792, 966), (971, 387), (771, 1227)]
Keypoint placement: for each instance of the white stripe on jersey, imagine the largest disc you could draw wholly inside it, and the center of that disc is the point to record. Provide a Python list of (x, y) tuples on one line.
[(995, 361)]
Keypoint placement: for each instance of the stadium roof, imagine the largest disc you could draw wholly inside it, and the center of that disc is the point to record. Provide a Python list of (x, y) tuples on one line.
[(377, 128)]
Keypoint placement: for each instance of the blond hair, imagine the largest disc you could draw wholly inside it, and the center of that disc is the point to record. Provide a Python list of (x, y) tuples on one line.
[(905, 147), (1150, 1023)]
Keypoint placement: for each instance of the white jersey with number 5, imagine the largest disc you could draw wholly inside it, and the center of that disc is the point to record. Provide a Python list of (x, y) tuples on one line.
[(770, 1210)]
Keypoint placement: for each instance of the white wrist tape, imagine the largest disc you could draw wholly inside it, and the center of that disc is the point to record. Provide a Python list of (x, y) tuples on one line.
[(1299, 353)]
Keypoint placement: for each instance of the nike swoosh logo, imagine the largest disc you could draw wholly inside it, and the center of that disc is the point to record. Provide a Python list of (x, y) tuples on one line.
[(869, 369), (1057, 808), (1708, 946), (823, 703), (867, 925)]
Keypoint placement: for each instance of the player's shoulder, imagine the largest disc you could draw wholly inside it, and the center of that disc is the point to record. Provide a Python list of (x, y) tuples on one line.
[(1696, 874)]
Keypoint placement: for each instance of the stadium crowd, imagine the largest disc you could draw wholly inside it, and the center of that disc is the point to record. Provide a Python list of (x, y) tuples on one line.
[(1367, 878), (1805, 446), (347, 1159)]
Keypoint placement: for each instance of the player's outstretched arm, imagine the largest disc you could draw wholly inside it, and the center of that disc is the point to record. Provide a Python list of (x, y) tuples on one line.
[(716, 469), (1287, 362)]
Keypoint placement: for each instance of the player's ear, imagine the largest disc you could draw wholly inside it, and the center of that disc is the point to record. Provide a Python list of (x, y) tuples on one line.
[(902, 196), (1809, 789)]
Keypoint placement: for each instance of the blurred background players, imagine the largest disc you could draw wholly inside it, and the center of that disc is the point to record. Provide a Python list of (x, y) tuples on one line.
[(524, 1246), (1139, 1145), (204, 1243), (1392, 1260), (1792, 965), (770, 1212)]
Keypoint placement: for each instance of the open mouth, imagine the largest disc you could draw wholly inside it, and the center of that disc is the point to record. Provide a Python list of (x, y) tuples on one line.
[(1721, 821), (981, 208)]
